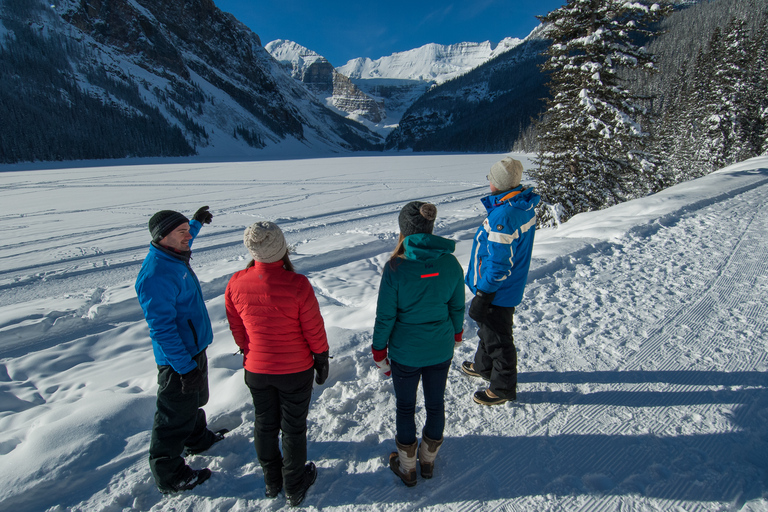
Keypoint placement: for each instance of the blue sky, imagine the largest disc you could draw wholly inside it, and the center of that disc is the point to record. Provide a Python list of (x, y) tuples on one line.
[(341, 30)]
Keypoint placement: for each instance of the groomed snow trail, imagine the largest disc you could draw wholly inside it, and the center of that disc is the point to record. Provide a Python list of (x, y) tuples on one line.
[(643, 369)]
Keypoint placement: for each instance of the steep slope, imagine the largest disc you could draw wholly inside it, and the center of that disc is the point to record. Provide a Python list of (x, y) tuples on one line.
[(187, 67), (322, 80), (484, 110)]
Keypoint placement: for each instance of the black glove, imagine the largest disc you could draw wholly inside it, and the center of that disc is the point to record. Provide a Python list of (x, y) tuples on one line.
[(321, 367), (203, 216), (478, 308), (192, 382)]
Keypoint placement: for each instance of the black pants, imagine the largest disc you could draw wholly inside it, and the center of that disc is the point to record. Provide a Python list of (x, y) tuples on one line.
[(496, 356), (179, 422), (281, 403)]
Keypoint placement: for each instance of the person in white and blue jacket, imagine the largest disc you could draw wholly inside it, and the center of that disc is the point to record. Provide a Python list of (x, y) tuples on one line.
[(170, 296), (497, 275)]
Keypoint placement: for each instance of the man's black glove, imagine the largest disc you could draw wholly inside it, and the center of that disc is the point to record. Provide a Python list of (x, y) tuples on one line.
[(321, 367), (203, 216), (478, 308), (192, 382)]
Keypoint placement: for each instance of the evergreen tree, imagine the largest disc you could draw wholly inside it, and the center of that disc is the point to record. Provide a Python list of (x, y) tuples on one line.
[(592, 145)]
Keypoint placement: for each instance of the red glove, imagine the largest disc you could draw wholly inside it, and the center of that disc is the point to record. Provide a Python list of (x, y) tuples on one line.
[(457, 338), (382, 361)]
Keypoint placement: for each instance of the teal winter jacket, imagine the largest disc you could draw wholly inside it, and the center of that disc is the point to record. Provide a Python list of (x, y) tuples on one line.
[(421, 303), (170, 295)]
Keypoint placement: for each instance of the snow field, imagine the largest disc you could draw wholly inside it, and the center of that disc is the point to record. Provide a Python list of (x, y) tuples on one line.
[(641, 342)]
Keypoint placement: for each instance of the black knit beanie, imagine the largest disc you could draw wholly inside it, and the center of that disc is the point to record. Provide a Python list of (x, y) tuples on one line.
[(163, 222), (417, 217)]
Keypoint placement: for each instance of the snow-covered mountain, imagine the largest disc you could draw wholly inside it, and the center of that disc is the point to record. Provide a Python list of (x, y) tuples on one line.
[(329, 86), (430, 63), (378, 92), (484, 109), (184, 73)]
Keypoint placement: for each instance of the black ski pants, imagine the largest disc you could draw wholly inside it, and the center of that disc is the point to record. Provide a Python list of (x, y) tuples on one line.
[(496, 356), (281, 403), (179, 422)]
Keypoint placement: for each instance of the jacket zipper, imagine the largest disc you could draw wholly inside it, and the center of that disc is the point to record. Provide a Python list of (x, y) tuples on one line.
[(194, 333)]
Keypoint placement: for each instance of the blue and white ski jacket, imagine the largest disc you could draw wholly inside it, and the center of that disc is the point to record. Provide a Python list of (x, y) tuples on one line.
[(172, 300), (501, 251)]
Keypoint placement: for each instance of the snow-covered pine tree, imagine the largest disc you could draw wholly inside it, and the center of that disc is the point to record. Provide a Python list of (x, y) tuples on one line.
[(591, 142), (726, 129), (757, 89), (674, 136)]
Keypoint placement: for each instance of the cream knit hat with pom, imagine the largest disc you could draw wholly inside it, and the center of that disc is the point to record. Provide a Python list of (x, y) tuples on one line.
[(265, 241)]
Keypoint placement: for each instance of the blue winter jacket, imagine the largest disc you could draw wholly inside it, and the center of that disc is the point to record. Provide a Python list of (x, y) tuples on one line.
[(172, 300), (501, 251)]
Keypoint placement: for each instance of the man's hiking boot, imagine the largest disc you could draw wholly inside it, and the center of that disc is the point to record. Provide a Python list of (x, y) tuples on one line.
[(217, 436), (469, 368), (483, 398), (190, 479), (271, 491)]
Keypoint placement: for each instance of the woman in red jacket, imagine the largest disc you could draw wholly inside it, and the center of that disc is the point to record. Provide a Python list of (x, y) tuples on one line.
[(275, 320)]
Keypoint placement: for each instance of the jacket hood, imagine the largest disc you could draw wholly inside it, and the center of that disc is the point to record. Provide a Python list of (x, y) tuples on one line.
[(525, 200), (425, 247)]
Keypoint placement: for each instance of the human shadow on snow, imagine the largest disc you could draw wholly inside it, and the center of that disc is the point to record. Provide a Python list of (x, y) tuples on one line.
[(727, 467)]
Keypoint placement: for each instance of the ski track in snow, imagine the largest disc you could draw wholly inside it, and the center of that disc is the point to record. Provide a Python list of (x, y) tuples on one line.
[(642, 362)]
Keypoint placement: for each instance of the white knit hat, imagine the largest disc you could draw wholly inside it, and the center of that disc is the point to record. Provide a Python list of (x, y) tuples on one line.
[(265, 241), (506, 174)]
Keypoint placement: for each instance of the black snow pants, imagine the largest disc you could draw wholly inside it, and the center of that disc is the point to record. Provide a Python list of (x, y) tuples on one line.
[(281, 403), (179, 422), (496, 356)]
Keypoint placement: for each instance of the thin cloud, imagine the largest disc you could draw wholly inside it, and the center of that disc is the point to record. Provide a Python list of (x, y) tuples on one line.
[(476, 8), (437, 17)]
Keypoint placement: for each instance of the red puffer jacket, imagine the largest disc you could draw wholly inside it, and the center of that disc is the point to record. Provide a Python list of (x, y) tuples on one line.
[(275, 318)]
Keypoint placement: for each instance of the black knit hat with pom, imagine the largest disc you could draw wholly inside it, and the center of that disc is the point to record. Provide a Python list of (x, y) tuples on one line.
[(417, 217)]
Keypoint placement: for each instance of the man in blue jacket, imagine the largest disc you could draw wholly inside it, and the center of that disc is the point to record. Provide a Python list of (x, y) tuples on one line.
[(170, 295), (497, 274)]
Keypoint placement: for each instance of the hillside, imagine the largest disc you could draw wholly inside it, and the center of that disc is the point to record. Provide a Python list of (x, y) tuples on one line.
[(151, 78)]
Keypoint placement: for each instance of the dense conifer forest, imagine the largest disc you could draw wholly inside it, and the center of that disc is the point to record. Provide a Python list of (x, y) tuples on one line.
[(675, 99)]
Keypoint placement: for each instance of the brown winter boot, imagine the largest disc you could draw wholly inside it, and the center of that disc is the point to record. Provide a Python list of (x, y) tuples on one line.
[(403, 462), (427, 452)]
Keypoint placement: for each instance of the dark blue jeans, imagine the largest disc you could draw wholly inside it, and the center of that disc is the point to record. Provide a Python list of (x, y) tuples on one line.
[(405, 380)]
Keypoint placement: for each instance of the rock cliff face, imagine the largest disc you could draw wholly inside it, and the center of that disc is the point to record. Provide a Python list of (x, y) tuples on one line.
[(319, 76)]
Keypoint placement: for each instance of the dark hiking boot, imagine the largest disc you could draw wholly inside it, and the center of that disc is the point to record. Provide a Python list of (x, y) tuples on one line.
[(469, 368), (310, 475), (217, 436), (483, 398), (191, 478), (403, 462)]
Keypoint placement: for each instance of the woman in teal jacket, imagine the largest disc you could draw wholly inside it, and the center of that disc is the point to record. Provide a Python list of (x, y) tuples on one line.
[(419, 319)]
